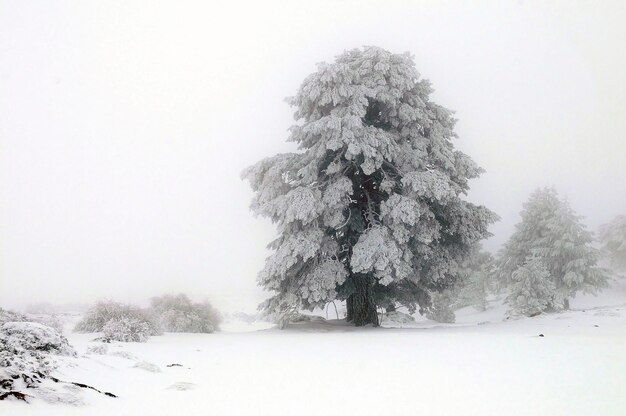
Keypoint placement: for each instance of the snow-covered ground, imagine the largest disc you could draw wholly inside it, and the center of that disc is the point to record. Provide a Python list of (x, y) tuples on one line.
[(482, 365)]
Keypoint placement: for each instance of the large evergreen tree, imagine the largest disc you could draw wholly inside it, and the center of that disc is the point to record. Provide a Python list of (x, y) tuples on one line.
[(370, 210), (551, 232)]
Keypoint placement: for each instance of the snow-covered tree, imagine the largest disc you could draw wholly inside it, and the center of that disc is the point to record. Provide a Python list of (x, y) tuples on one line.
[(612, 236), (552, 232), (532, 290), (370, 209)]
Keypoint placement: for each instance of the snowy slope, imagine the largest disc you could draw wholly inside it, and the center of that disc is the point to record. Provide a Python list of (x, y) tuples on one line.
[(481, 365)]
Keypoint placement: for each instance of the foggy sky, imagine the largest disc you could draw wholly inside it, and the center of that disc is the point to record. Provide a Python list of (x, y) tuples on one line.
[(124, 126)]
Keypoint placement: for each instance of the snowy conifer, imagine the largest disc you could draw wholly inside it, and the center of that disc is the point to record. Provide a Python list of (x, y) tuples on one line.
[(370, 210), (612, 236), (532, 290), (552, 232)]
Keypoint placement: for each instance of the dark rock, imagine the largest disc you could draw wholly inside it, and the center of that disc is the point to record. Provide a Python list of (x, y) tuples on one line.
[(18, 395)]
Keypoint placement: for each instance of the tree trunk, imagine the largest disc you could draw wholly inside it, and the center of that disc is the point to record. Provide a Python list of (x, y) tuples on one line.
[(350, 309), (566, 304), (360, 305)]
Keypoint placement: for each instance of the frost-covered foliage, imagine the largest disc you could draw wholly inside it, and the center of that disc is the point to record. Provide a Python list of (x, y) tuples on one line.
[(301, 317), (612, 236), (395, 318), (103, 312), (27, 351), (176, 313), (552, 232), (441, 308), (532, 290), (126, 329), (476, 281), (370, 210), (32, 336)]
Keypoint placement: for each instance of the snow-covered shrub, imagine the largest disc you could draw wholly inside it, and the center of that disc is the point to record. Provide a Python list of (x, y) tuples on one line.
[(397, 318), (176, 313), (97, 317), (301, 317), (532, 291), (126, 329), (36, 337), (26, 354)]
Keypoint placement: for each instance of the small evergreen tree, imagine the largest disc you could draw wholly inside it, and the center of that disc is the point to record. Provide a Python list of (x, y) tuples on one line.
[(612, 236), (532, 290), (371, 210), (552, 232)]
